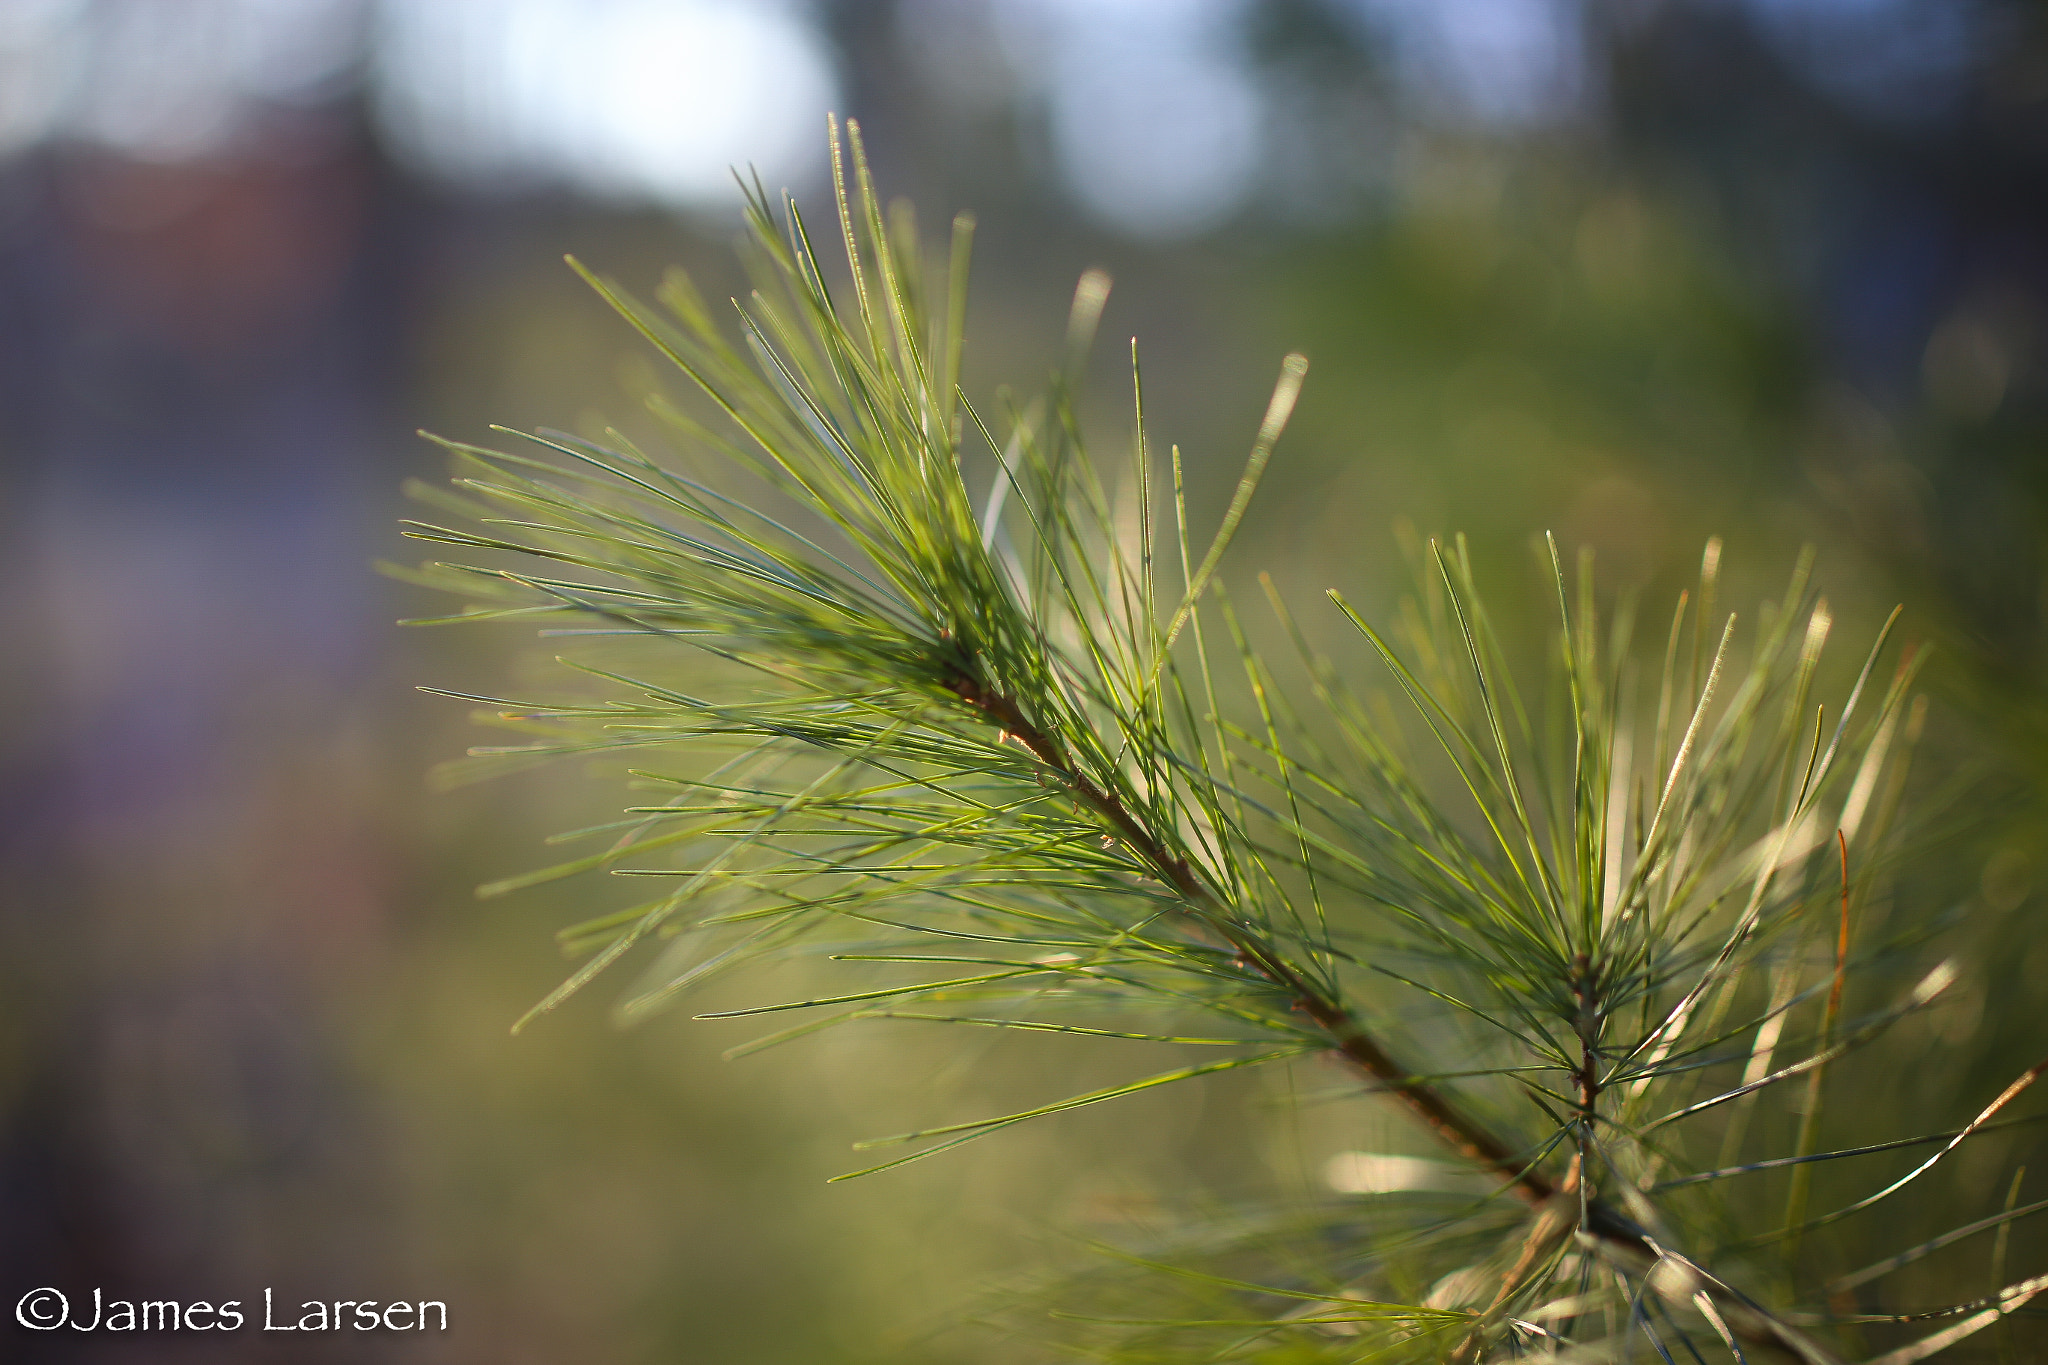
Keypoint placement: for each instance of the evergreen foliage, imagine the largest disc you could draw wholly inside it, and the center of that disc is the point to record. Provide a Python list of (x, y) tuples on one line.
[(1009, 754)]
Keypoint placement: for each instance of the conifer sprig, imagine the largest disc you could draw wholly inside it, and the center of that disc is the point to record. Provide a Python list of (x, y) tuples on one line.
[(1011, 756)]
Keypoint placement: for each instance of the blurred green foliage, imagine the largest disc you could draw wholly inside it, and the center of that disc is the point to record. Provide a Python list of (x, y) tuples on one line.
[(1628, 330)]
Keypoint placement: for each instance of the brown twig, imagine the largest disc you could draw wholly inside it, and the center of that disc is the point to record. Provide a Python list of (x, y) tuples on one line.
[(1459, 1130), (1551, 1225), (1625, 1241)]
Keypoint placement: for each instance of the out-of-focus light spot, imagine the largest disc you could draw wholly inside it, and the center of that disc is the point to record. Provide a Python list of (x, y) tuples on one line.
[(1377, 1173), (1155, 122), (1893, 60), (1966, 368), (160, 81), (1159, 144), (1506, 63), (635, 100), (37, 53)]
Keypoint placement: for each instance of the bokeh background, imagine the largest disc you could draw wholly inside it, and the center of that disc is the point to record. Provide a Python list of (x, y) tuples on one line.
[(1639, 271)]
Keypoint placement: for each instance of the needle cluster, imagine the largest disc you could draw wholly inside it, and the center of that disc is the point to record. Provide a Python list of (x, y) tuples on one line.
[(1006, 752)]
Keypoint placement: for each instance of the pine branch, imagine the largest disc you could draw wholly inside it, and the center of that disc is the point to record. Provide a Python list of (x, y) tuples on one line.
[(1583, 897), (1350, 1040)]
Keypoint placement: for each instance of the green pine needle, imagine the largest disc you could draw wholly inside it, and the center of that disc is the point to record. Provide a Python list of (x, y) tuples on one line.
[(910, 727)]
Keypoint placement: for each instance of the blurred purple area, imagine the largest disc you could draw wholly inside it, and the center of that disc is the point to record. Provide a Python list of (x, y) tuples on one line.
[(1777, 263)]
